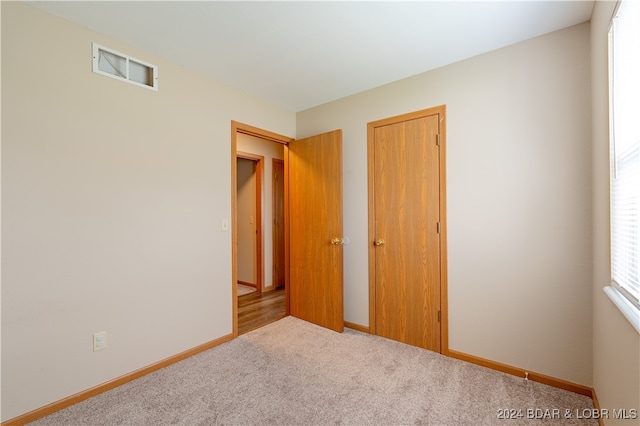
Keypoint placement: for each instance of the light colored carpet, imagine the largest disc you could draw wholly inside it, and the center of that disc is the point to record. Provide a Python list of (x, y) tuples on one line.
[(245, 289), (295, 373)]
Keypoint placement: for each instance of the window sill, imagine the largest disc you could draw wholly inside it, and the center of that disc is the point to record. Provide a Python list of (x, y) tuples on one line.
[(630, 312)]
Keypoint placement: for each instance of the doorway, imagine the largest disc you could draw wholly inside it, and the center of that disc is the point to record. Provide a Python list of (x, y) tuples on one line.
[(249, 222), (254, 224), (313, 252), (407, 229)]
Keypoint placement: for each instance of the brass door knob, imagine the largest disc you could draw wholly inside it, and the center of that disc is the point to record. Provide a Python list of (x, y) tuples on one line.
[(378, 242), (336, 241)]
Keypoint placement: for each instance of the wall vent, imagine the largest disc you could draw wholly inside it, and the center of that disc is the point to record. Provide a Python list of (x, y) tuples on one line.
[(123, 67)]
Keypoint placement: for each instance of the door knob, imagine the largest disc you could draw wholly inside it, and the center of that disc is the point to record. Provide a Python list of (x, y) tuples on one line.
[(336, 241), (378, 242)]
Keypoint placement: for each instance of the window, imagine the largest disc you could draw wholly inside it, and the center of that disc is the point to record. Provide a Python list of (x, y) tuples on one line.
[(122, 67), (624, 75)]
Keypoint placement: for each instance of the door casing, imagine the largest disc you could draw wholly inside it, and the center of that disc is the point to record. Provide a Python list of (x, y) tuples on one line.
[(237, 127), (441, 111)]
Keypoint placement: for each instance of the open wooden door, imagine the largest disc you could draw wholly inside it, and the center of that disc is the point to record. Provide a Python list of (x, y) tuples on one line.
[(277, 189), (314, 192)]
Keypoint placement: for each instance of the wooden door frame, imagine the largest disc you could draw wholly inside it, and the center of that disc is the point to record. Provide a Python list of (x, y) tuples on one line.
[(238, 127), (259, 172), (275, 161), (441, 111)]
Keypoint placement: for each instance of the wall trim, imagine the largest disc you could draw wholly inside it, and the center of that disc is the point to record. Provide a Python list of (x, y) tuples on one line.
[(596, 405), (357, 327), (96, 390), (520, 372)]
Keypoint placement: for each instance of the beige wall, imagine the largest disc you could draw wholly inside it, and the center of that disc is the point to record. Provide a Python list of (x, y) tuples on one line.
[(113, 197), (269, 150), (519, 198), (616, 344), (246, 221)]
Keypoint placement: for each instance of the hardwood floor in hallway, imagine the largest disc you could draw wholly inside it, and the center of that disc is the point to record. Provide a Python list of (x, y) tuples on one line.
[(256, 310)]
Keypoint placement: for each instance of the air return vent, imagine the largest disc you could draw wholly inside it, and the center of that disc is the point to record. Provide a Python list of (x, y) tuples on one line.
[(122, 67)]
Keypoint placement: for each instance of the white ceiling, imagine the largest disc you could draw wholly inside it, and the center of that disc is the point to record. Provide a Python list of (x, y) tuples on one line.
[(302, 54)]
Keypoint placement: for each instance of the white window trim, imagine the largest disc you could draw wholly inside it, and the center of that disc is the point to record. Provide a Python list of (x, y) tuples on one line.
[(623, 301), (97, 70), (628, 309)]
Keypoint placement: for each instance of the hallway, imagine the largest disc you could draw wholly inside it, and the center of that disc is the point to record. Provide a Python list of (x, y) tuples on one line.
[(256, 310)]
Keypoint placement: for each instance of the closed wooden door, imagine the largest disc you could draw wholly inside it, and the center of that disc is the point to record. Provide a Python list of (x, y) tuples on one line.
[(278, 223), (405, 222), (315, 229)]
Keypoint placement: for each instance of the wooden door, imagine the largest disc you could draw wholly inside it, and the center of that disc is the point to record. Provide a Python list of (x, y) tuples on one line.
[(405, 226), (278, 223), (315, 229)]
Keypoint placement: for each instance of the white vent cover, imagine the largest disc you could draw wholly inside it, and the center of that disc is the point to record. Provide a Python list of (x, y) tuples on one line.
[(123, 67)]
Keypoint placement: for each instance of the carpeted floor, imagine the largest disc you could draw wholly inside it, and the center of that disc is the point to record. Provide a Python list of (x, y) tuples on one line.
[(295, 373), (245, 289)]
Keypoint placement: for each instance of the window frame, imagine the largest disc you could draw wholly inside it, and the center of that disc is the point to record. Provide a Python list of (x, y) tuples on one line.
[(627, 303)]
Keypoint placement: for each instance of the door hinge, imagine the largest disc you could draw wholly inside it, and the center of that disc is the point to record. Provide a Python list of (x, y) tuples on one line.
[(438, 139), (439, 316), (439, 227)]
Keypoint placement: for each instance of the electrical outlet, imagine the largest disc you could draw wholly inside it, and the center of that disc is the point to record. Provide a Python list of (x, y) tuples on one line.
[(99, 341)]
